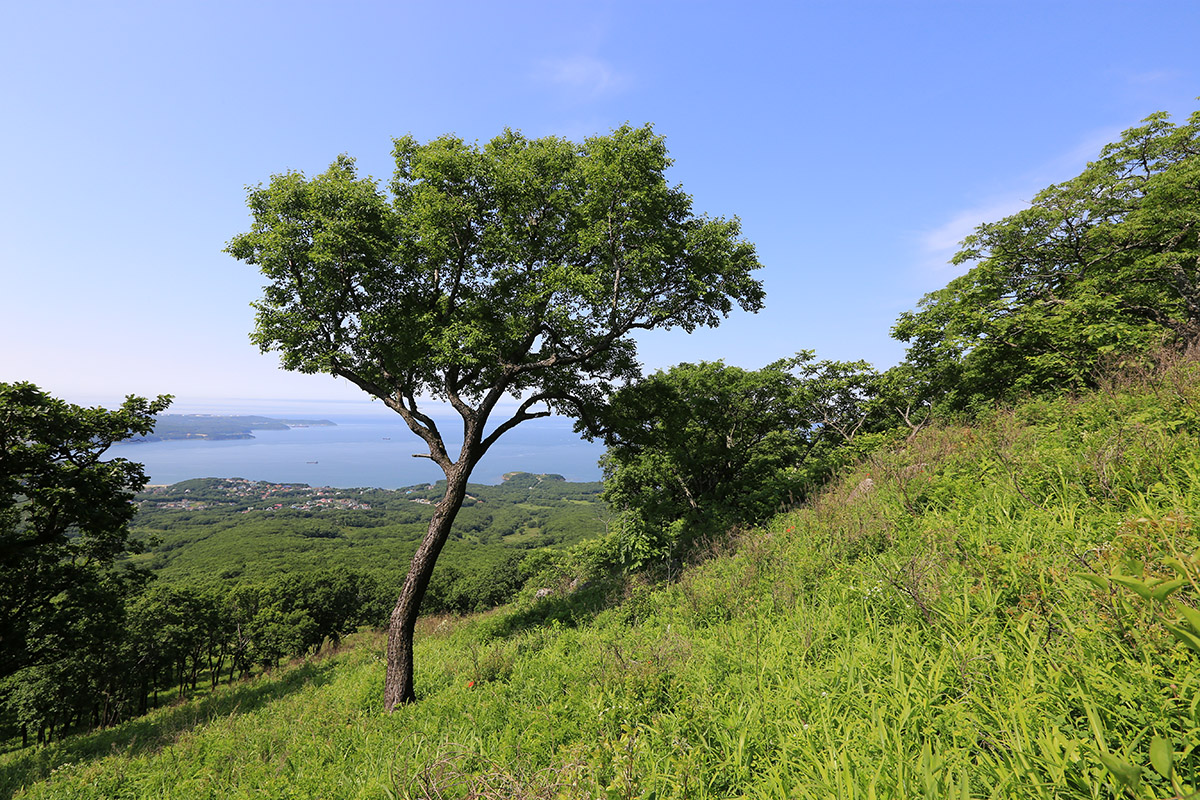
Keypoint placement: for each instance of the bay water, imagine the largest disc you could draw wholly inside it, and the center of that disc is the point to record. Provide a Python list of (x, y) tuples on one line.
[(363, 451)]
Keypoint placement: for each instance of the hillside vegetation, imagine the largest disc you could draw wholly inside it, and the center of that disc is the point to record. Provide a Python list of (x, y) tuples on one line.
[(231, 530), (1000, 609), (989, 588)]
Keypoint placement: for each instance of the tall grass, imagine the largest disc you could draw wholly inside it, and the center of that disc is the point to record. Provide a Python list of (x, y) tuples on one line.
[(943, 622)]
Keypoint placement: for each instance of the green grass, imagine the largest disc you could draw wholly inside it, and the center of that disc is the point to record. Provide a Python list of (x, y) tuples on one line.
[(926, 633)]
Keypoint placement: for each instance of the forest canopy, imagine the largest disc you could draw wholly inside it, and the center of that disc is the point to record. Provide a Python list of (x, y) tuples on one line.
[(1104, 264)]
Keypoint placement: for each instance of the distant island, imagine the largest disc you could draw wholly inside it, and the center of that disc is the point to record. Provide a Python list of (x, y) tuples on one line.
[(216, 426)]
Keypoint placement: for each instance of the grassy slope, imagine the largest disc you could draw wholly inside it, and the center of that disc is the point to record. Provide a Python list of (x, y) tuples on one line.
[(923, 634)]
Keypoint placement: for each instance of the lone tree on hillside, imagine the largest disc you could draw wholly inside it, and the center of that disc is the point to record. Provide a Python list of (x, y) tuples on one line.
[(520, 267)]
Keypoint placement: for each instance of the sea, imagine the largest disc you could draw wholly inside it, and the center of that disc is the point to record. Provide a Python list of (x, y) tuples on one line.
[(363, 451)]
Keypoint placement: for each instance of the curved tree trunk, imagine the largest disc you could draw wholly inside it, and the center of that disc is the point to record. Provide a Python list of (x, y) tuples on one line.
[(398, 685)]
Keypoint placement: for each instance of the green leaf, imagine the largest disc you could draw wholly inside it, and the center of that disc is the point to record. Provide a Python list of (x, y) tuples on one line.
[(1138, 587), (1162, 757), (1177, 565), (1191, 615), (1132, 566), (1160, 591), (1126, 774), (1099, 581), (1184, 636)]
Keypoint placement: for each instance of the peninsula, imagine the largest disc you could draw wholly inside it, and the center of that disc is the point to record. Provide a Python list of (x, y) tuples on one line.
[(218, 426)]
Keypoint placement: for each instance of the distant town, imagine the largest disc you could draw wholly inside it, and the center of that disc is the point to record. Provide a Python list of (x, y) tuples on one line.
[(209, 492)]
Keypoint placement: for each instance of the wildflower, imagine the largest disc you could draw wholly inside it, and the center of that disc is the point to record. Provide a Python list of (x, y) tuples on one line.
[(470, 684)]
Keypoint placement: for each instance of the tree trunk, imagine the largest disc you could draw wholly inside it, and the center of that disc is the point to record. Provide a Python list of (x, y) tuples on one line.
[(398, 686)]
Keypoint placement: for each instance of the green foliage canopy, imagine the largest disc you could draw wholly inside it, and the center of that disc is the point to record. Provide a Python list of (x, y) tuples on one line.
[(517, 267), (64, 515), (702, 447), (1103, 263)]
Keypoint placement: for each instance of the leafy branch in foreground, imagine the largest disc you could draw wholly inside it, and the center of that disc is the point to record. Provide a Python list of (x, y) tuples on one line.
[(64, 524), (64, 512)]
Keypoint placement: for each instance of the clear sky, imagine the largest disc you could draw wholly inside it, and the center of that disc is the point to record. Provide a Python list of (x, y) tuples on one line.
[(857, 141)]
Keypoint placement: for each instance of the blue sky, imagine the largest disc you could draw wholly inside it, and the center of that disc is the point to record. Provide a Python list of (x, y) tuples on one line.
[(858, 142)]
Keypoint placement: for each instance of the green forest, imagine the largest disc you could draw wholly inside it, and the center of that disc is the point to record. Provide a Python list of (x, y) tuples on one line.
[(226, 530), (975, 574)]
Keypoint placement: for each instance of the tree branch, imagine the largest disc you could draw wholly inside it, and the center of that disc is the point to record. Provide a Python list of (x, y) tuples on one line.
[(404, 404), (522, 414)]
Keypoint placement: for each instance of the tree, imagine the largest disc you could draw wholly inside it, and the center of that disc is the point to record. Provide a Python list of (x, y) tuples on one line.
[(519, 268), (704, 447), (1103, 263), (64, 512), (64, 523)]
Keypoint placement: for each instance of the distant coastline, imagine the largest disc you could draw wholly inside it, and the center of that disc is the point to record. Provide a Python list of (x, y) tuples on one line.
[(218, 427), (359, 450)]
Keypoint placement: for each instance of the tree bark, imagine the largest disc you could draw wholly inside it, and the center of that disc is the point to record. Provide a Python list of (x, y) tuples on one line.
[(398, 685)]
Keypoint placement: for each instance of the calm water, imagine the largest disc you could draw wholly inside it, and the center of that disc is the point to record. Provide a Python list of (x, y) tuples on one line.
[(362, 451)]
